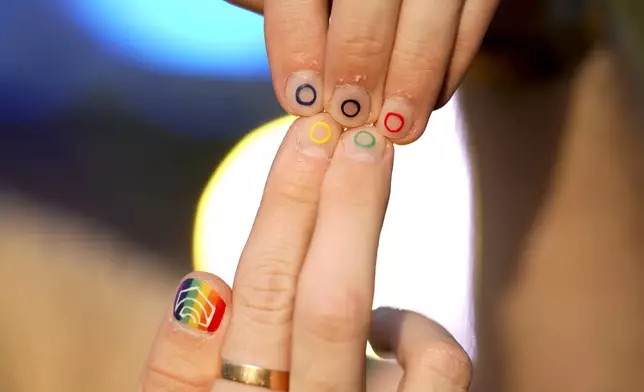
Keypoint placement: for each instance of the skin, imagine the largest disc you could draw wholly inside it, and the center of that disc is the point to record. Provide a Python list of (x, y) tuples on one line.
[(299, 304), (370, 51), (559, 171)]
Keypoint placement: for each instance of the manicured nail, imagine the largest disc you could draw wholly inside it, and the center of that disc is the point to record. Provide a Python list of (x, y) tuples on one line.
[(304, 93), (364, 144), (199, 305), (350, 105), (396, 118), (317, 135)]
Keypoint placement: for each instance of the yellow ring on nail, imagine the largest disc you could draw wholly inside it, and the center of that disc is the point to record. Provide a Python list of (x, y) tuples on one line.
[(325, 138)]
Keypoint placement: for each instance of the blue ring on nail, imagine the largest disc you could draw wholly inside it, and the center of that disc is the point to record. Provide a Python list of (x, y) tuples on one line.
[(300, 89), (348, 101)]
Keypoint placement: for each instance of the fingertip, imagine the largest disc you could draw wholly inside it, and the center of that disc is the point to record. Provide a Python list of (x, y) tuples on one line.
[(365, 144), (303, 93), (317, 136), (396, 118), (419, 343), (186, 351)]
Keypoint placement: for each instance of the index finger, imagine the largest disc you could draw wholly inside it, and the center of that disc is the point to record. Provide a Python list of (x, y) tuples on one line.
[(295, 43)]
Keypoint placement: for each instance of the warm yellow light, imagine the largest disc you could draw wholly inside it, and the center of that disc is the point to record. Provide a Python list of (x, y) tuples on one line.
[(264, 135), (424, 256)]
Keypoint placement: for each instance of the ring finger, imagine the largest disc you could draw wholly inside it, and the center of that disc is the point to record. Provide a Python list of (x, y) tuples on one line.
[(264, 287), (359, 42)]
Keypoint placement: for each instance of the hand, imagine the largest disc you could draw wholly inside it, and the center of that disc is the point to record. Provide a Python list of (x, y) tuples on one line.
[(304, 285), (390, 62)]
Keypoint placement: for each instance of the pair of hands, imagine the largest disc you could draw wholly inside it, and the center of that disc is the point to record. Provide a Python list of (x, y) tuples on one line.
[(304, 285)]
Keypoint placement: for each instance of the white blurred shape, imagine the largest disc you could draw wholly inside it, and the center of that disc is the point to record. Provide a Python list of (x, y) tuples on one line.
[(424, 258)]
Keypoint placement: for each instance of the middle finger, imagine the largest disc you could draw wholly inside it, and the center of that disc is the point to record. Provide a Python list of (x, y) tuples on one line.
[(335, 290), (359, 43)]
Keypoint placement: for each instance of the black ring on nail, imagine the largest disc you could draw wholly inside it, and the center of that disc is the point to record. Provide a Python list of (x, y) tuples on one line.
[(299, 90), (353, 101)]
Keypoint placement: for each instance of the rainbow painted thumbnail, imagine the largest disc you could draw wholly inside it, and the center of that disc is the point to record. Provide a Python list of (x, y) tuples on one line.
[(199, 305)]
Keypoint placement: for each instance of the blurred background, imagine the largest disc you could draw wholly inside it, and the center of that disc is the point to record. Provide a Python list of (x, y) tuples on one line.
[(121, 109), (115, 119)]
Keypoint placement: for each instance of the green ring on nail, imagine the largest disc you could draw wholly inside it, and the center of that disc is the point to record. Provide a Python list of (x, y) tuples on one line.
[(364, 145)]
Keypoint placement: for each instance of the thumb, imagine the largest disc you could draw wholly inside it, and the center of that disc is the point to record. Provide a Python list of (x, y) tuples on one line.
[(186, 352)]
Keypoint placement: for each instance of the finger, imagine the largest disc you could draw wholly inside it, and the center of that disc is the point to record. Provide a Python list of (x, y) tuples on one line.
[(335, 290), (185, 354), (424, 42), (251, 5), (475, 19), (431, 358), (360, 39), (295, 42), (264, 287)]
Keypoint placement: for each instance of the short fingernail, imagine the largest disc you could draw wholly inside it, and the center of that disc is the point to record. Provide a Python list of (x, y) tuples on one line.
[(364, 144), (304, 93), (350, 105), (395, 119), (317, 136), (198, 305)]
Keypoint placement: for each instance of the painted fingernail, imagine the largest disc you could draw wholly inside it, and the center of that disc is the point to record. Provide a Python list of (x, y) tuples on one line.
[(364, 144), (304, 93), (350, 105), (396, 118), (197, 304), (318, 136)]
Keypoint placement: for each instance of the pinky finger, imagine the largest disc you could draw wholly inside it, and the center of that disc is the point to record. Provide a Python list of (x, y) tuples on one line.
[(185, 355), (430, 357), (475, 20)]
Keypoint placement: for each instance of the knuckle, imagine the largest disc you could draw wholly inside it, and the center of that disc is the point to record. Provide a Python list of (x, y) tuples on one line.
[(266, 294), (446, 358), (296, 188), (337, 321), (419, 59), (361, 48)]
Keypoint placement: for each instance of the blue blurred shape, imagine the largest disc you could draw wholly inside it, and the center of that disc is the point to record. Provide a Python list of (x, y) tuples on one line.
[(193, 37)]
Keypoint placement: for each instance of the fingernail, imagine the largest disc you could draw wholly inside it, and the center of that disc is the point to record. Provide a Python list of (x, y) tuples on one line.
[(198, 305), (318, 136), (364, 144), (396, 117), (304, 93), (350, 105)]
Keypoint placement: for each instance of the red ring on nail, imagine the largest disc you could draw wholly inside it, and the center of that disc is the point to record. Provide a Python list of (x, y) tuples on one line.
[(399, 117)]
